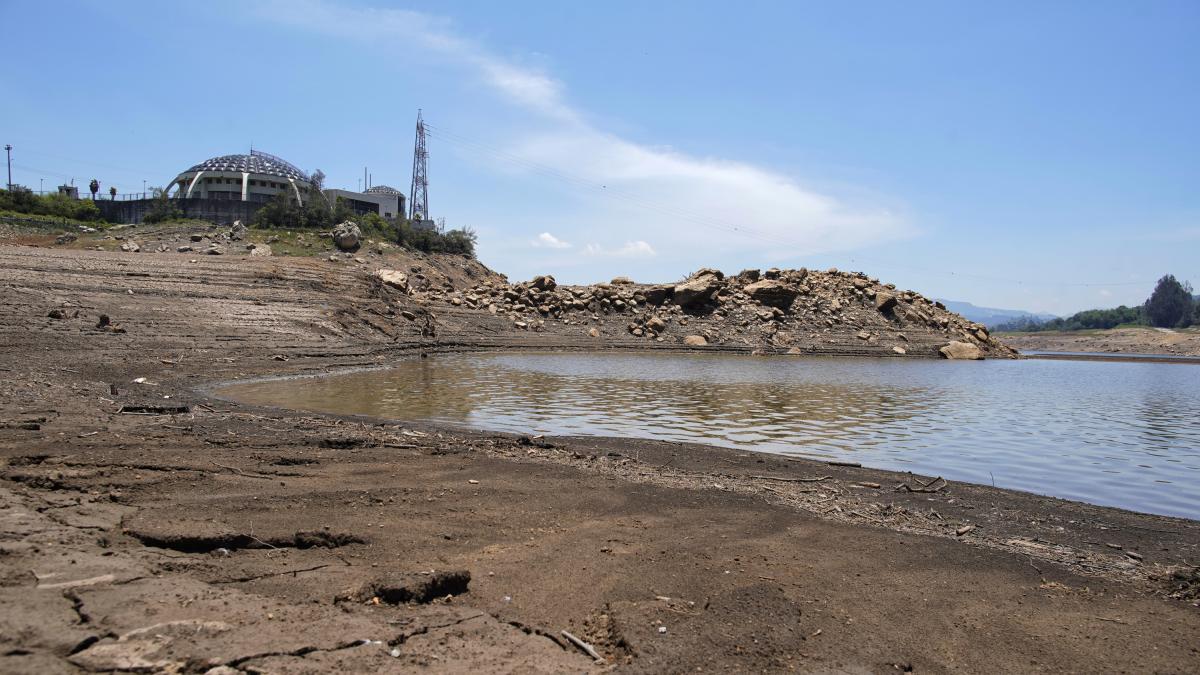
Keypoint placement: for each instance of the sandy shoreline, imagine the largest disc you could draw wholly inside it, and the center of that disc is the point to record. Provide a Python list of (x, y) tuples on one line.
[(261, 540)]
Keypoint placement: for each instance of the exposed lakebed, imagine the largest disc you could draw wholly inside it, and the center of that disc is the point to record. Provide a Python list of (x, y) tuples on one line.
[(1123, 434)]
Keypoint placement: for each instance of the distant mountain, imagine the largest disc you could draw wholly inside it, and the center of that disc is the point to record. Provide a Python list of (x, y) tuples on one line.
[(990, 316)]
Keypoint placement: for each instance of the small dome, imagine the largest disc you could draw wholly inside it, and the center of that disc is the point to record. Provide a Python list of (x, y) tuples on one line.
[(256, 163), (382, 190)]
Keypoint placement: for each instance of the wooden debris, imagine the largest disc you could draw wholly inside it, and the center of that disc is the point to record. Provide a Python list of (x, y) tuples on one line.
[(793, 480), (583, 646)]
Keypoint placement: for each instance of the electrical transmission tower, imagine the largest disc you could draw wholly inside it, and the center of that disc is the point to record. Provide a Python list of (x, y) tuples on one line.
[(418, 202)]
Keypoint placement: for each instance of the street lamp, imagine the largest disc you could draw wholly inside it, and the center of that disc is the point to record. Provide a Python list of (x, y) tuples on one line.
[(8, 149)]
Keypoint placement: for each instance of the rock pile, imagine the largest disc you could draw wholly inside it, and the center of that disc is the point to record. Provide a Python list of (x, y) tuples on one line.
[(772, 310)]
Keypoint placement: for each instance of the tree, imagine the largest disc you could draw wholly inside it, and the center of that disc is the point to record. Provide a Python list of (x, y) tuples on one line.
[(94, 186), (112, 191), (163, 209), (1170, 304), (318, 180)]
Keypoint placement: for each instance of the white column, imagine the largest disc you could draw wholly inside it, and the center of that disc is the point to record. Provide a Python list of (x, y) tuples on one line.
[(245, 184), (192, 185)]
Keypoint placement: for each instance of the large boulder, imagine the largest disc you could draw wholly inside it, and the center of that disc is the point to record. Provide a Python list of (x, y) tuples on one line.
[(699, 288), (695, 341), (394, 278), (772, 293), (347, 236), (544, 282), (238, 231), (884, 301), (749, 276), (961, 351), (657, 295)]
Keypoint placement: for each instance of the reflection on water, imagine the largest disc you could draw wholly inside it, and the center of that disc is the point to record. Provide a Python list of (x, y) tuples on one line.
[(1122, 434)]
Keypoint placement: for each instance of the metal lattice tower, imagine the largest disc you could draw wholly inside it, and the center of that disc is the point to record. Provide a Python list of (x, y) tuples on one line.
[(418, 202)]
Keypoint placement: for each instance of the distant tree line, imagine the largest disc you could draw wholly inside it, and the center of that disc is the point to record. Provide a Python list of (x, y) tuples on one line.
[(1171, 305), (21, 199)]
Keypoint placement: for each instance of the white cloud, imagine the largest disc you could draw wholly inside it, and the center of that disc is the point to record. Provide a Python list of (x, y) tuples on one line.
[(547, 240), (1105, 293), (631, 249), (710, 208)]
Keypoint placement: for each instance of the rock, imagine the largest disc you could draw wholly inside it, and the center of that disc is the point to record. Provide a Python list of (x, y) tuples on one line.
[(238, 231), (214, 250), (657, 295), (772, 293), (130, 247), (863, 335), (347, 236), (981, 334), (65, 239), (884, 301), (699, 288), (408, 315), (621, 281), (594, 332), (656, 324), (260, 250), (773, 273), (57, 314), (184, 249), (544, 282), (900, 350), (748, 276), (394, 278), (695, 341), (961, 351), (861, 283), (197, 237)]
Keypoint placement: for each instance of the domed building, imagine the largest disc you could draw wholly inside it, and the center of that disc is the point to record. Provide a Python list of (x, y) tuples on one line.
[(256, 177)]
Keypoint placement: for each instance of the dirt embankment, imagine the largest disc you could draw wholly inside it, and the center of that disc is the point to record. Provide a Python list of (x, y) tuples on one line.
[(146, 526), (1171, 342)]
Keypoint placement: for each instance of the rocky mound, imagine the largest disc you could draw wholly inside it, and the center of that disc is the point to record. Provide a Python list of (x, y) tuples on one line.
[(772, 311)]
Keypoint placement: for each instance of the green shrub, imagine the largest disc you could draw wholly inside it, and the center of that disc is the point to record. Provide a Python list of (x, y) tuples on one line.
[(22, 200)]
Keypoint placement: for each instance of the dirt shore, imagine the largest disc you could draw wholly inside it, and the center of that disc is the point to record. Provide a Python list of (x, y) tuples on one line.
[(1170, 342), (150, 527)]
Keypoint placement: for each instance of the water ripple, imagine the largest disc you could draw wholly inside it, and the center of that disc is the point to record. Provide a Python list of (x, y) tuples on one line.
[(1121, 434)]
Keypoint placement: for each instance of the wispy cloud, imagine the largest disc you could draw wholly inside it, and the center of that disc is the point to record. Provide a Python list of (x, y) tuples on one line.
[(547, 240), (719, 207), (631, 249)]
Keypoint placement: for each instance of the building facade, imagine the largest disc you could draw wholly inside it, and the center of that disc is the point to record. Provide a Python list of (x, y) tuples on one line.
[(386, 201)]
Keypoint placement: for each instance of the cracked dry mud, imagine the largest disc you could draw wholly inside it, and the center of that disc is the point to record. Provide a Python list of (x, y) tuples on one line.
[(237, 539)]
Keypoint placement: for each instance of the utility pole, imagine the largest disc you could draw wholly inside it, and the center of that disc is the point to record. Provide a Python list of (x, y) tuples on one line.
[(418, 202), (8, 149)]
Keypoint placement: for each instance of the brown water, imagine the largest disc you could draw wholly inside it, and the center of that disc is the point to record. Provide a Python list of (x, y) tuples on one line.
[(1120, 434)]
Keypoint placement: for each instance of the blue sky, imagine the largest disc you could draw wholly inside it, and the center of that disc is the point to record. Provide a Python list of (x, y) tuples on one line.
[(1042, 156)]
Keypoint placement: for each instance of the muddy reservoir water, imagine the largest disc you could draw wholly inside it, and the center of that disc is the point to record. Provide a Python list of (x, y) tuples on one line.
[(1120, 434)]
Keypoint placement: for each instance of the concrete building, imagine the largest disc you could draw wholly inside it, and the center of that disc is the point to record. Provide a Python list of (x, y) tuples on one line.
[(256, 177), (386, 201)]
